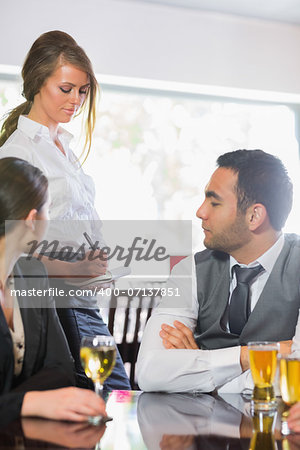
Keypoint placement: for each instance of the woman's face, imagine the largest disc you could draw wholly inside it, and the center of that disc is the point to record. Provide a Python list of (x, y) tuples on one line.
[(61, 96)]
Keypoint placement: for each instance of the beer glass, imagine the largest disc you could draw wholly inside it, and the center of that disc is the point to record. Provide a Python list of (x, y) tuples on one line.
[(289, 385), (263, 430), (263, 363)]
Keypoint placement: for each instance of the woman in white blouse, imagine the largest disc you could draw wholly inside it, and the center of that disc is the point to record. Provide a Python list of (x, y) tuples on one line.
[(58, 83), (36, 367)]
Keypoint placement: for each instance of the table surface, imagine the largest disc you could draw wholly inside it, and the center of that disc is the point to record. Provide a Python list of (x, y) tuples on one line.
[(157, 421)]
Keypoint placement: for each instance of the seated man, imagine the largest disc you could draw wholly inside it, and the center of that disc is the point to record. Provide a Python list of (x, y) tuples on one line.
[(245, 285)]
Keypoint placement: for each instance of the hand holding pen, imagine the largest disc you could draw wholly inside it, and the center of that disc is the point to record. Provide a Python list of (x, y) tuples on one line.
[(93, 245), (92, 264), (95, 262)]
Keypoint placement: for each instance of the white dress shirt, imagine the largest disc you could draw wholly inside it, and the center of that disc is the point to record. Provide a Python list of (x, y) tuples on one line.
[(176, 370), (72, 192), (296, 340)]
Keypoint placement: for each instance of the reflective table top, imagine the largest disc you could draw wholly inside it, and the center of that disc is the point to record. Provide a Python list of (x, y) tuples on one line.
[(159, 421)]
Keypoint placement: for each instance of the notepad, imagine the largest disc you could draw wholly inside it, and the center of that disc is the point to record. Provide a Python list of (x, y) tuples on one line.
[(109, 276)]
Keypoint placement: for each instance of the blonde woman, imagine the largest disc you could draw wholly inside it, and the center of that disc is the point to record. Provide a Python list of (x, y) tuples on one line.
[(59, 82)]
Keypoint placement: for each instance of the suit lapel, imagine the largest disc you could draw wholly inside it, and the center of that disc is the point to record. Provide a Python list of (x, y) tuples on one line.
[(216, 295), (32, 321)]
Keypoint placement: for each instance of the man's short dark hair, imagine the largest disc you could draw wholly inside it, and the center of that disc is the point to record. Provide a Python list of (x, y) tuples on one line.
[(262, 178)]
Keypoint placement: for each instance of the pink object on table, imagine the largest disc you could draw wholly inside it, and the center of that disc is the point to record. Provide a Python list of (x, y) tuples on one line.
[(175, 260)]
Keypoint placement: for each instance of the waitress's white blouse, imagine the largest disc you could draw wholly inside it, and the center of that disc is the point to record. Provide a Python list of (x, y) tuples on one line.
[(72, 192)]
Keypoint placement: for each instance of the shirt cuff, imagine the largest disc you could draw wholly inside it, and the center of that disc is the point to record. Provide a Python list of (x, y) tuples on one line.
[(225, 365)]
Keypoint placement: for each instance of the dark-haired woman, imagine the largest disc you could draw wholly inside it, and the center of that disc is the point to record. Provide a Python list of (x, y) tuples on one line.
[(59, 82), (34, 355)]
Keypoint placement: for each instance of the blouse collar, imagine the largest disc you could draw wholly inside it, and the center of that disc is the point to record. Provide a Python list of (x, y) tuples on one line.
[(33, 129)]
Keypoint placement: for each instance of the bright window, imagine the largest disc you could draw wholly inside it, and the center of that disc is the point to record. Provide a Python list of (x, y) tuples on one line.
[(153, 153)]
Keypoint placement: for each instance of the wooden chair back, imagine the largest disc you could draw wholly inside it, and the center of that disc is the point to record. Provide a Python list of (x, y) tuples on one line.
[(128, 314)]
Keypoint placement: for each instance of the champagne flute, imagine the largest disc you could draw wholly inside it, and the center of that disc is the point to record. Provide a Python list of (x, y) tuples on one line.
[(98, 358), (289, 385)]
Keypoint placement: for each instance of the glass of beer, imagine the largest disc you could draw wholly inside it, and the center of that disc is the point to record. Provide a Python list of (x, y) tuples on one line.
[(289, 385), (263, 430), (263, 363)]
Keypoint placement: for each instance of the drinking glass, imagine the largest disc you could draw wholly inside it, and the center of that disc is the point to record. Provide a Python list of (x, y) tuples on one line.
[(263, 430), (98, 358), (289, 385), (263, 363)]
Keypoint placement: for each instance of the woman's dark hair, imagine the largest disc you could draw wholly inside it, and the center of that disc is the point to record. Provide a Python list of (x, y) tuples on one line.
[(23, 187), (50, 51), (262, 178)]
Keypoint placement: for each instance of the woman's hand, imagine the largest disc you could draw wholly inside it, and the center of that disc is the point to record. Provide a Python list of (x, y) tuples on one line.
[(294, 418), (69, 403), (65, 434), (93, 265)]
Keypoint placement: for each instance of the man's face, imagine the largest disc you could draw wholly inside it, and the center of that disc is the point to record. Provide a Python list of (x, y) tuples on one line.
[(225, 228)]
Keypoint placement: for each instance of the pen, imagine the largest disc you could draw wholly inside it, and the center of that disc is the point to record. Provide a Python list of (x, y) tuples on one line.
[(90, 242), (106, 419)]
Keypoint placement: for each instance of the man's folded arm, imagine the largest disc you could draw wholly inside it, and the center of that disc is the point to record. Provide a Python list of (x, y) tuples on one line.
[(182, 370)]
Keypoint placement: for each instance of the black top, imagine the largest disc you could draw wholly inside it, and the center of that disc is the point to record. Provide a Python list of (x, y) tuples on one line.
[(47, 360)]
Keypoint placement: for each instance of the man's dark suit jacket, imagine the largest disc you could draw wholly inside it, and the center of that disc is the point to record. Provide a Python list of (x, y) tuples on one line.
[(47, 361)]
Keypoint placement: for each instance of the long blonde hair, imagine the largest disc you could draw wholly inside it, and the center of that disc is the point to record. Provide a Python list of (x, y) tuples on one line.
[(49, 51)]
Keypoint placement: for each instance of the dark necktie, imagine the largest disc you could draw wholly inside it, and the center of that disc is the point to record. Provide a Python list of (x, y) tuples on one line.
[(239, 308)]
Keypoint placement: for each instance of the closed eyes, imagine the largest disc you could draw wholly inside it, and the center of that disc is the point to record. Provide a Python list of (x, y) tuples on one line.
[(82, 91)]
